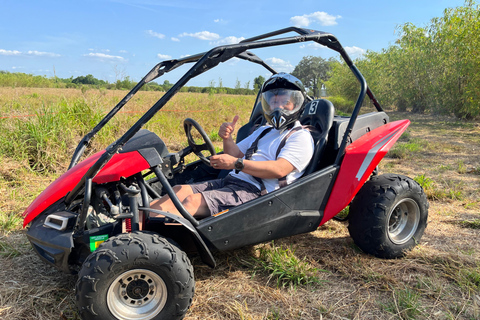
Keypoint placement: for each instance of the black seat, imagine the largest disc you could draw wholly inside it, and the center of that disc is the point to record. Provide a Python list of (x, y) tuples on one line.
[(256, 120), (318, 116)]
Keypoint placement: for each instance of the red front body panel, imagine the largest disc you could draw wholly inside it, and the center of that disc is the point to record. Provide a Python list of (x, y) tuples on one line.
[(361, 158), (121, 165)]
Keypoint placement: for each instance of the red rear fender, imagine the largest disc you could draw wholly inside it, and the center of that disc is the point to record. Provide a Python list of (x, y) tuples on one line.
[(361, 158)]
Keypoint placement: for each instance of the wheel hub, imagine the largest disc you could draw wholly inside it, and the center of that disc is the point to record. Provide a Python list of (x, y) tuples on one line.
[(137, 294), (403, 221), (137, 289)]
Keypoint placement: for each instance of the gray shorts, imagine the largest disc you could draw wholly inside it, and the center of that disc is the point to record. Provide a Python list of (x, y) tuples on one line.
[(223, 194)]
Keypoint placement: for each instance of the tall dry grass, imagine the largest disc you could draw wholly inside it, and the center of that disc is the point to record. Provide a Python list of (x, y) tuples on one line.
[(439, 279)]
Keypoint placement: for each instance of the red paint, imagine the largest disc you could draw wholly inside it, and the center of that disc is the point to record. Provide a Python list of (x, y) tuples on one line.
[(121, 165), (361, 158)]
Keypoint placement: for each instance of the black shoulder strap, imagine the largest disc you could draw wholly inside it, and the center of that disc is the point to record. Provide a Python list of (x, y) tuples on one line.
[(283, 180), (253, 148)]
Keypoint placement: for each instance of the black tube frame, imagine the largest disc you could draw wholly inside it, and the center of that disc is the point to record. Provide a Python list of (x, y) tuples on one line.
[(204, 62)]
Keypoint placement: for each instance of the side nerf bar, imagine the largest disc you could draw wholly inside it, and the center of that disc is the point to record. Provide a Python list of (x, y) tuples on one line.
[(360, 159)]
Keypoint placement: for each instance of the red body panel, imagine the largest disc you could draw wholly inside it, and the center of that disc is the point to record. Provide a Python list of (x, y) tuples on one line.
[(361, 158), (121, 165)]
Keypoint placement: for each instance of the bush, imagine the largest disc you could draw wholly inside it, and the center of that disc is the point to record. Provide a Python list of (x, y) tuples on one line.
[(342, 104)]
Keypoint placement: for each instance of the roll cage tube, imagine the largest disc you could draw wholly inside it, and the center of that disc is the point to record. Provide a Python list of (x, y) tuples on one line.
[(205, 62)]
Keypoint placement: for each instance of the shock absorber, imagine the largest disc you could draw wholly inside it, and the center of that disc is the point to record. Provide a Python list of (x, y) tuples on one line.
[(133, 197)]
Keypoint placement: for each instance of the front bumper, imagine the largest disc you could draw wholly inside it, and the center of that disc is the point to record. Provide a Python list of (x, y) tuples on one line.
[(53, 246)]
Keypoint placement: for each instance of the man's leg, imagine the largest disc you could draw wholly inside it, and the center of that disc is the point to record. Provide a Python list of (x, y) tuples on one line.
[(194, 203), (182, 191)]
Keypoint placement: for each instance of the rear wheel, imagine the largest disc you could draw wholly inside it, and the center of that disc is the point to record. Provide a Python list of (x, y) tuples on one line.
[(388, 216), (135, 276)]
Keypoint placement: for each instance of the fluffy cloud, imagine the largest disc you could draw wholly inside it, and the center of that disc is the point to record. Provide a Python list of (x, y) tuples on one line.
[(103, 56), (155, 34), (203, 35), (43, 54), (355, 51), (228, 40), (28, 53), (280, 64), (9, 52), (323, 18), (164, 56)]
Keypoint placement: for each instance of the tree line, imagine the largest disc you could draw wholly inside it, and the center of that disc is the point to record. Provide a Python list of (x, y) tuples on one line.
[(434, 68), (17, 79)]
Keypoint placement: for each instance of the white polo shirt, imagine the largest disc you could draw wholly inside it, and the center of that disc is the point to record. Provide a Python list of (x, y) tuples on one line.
[(298, 150)]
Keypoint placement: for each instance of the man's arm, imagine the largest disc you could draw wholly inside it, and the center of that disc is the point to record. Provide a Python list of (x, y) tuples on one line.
[(273, 169), (225, 132)]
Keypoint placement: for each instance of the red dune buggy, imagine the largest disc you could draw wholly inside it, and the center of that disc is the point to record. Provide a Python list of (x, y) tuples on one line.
[(95, 220)]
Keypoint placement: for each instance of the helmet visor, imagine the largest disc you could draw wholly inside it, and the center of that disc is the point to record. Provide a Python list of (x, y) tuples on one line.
[(287, 100)]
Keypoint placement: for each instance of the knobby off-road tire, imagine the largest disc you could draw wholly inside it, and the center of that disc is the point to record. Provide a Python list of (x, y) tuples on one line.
[(388, 216), (135, 276)]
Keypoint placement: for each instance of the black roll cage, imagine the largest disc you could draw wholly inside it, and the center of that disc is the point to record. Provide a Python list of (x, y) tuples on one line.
[(204, 62)]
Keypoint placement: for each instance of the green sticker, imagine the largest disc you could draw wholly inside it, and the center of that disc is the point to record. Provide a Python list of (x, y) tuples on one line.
[(95, 241)]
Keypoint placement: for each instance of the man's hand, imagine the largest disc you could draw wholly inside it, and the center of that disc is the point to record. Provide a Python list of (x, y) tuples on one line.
[(227, 128), (223, 161)]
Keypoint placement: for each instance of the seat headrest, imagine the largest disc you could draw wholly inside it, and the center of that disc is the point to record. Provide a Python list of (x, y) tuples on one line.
[(319, 114)]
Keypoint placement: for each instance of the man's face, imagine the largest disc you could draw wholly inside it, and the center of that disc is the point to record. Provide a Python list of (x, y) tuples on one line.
[(281, 101)]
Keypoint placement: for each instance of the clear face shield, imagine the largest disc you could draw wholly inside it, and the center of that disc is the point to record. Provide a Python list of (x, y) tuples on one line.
[(285, 100)]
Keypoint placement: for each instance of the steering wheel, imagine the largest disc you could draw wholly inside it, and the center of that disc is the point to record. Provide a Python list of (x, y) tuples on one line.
[(198, 148)]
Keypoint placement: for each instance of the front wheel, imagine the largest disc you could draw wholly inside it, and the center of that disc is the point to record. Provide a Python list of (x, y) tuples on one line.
[(388, 216), (135, 276)]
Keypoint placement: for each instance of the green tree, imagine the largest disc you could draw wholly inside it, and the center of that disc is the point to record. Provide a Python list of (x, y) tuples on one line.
[(313, 72), (258, 82)]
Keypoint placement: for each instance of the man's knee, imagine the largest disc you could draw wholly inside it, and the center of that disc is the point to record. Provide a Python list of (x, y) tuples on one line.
[(196, 205)]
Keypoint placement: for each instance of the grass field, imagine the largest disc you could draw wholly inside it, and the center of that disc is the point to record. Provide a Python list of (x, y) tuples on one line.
[(320, 275)]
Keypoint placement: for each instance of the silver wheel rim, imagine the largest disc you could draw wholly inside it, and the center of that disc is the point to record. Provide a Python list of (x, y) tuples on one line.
[(137, 294), (403, 221)]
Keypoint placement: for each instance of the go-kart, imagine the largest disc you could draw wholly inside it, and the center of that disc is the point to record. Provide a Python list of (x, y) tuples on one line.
[(95, 220)]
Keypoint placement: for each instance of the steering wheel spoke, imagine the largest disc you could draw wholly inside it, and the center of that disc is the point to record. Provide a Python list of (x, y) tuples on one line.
[(198, 148)]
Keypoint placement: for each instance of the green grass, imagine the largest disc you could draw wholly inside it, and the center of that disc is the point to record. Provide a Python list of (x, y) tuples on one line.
[(471, 224), (10, 222), (405, 150), (425, 182), (405, 304), (282, 265)]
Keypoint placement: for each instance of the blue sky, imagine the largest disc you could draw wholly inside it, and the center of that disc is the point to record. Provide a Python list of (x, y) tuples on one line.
[(112, 39)]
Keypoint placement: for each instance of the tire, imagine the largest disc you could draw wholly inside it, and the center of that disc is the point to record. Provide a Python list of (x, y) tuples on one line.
[(135, 276), (388, 216)]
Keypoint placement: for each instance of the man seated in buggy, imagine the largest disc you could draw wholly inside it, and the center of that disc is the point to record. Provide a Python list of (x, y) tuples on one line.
[(271, 157)]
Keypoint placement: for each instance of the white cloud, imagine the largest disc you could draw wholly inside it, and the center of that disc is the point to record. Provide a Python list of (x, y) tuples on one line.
[(28, 53), (228, 40), (312, 45), (321, 17), (43, 54), (164, 56), (155, 34), (9, 52), (203, 35), (104, 56), (355, 51), (280, 64), (175, 39)]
